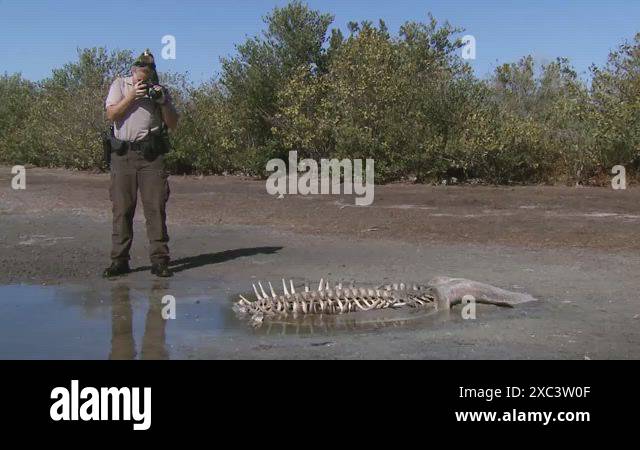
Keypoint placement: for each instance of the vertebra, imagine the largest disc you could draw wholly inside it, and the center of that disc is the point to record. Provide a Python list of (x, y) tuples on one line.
[(439, 293)]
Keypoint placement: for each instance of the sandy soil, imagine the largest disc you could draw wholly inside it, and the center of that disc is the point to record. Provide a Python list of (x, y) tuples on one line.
[(576, 249)]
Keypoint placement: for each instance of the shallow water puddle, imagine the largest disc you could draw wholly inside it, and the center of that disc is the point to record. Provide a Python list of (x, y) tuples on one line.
[(117, 321), (122, 321)]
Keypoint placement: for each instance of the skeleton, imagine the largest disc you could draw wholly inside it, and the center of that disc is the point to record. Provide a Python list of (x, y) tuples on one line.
[(441, 293)]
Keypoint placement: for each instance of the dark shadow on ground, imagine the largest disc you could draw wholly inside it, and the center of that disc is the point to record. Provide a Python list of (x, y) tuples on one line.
[(205, 259)]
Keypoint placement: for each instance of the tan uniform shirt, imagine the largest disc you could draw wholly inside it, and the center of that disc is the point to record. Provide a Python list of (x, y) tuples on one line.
[(143, 114)]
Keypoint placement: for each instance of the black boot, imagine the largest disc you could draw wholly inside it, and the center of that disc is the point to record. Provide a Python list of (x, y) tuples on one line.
[(161, 270), (116, 269)]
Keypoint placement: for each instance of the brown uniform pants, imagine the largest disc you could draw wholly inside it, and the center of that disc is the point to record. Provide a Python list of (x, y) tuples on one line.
[(129, 173)]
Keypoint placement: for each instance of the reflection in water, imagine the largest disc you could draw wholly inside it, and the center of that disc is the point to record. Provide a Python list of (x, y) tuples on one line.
[(78, 322), (122, 340), (369, 321)]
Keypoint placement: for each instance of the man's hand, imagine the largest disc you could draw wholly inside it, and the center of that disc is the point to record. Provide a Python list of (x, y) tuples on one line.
[(139, 91), (162, 98), (117, 111)]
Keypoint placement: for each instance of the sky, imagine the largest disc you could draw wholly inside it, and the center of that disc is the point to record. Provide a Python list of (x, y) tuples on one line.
[(38, 36)]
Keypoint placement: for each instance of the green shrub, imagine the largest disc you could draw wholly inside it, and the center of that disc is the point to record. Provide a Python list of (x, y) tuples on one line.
[(409, 101)]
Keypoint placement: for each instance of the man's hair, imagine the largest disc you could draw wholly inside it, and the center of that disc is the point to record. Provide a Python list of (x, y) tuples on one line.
[(145, 60)]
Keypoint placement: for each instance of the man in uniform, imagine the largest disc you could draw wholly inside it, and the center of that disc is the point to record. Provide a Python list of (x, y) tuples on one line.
[(140, 109)]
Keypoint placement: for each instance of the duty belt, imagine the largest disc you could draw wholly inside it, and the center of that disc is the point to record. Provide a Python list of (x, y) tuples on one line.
[(136, 146)]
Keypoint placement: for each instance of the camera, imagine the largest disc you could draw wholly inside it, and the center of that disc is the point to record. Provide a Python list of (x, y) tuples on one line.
[(152, 93)]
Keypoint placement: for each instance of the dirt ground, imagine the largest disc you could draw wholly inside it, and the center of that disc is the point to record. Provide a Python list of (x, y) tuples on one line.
[(575, 249)]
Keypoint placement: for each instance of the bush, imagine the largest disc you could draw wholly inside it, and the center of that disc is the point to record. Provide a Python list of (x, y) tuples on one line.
[(408, 101)]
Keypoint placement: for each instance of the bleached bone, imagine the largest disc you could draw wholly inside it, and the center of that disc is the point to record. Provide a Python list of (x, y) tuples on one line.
[(264, 294), (451, 291), (441, 293)]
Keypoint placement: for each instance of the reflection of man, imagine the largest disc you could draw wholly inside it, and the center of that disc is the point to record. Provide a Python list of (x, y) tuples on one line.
[(140, 109), (122, 341), (154, 340)]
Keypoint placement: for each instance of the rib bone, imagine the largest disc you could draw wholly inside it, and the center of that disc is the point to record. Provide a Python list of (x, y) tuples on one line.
[(441, 293)]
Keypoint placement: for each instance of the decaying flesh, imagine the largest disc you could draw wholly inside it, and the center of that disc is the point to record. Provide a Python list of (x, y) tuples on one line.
[(440, 293)]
